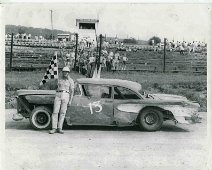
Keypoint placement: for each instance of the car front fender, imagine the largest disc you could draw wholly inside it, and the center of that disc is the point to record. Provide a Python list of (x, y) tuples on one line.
[(181, 114)]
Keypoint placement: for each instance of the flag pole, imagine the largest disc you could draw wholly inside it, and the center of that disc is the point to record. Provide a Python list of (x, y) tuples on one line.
[(100, 48)]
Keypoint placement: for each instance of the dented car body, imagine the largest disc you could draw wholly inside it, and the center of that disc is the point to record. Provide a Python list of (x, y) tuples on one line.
[(107, 102)]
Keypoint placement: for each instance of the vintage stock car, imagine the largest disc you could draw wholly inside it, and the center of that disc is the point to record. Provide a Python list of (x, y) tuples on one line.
[(107, 102)]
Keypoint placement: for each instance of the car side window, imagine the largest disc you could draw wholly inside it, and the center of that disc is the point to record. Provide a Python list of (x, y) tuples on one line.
[(96, 91), (124, 93)]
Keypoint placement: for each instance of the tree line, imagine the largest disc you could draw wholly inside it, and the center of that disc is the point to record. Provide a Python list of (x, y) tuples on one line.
[(46, 33)]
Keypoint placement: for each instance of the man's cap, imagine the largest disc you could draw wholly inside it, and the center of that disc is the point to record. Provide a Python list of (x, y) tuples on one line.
[(66, 69)]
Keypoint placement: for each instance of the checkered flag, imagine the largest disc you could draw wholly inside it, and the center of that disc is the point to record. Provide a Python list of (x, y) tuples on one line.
[(51, 71)]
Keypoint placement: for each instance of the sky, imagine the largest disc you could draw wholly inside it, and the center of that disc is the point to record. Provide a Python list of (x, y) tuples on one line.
[(141, 21)]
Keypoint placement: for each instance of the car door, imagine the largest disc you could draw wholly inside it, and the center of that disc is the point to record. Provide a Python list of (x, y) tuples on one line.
[(127, 104), (93, 107)]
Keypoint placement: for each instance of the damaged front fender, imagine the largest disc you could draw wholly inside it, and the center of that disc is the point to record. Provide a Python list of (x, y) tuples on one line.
[(182, 114)]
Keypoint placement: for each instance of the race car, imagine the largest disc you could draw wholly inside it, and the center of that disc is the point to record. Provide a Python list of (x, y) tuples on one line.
[(107, 102)]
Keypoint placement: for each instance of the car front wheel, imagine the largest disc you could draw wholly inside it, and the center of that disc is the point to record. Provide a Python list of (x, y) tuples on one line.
[(40, 118), (150, 119)]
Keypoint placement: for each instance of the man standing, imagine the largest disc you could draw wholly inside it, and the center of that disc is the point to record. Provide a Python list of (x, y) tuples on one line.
[(116, 61), (181, 49), (125, 59), (91, 65), (109, 60), (63, 98), (72, 58)]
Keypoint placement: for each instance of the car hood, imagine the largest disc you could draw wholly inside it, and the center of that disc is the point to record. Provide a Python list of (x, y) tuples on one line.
[(168, 97)]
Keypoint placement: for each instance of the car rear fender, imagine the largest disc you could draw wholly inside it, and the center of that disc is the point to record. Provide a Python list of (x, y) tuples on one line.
[(24, 107)]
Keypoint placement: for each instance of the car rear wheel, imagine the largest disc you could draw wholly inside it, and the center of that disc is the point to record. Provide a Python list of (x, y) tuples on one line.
[(40, 118), (150, 119)]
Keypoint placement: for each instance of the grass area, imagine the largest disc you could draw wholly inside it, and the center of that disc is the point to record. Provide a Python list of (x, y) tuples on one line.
[(194, 87)]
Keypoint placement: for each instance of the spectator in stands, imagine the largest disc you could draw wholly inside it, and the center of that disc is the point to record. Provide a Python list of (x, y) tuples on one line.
[(104, 51), (81, 44), (116, 41), (104, 44), (68, 57), (124, 60), (29, 36), (17, 36), (184, 44), (91, 65), (88, 42), (193, 47), (24, 36), (72, 57), (153, 42), (116, 60), (36, 37), (181, 49), (169, 46), (189, 48), (178, 44), (103, 62), (109, 60), (68, 63), (93, 43), (81, 62)]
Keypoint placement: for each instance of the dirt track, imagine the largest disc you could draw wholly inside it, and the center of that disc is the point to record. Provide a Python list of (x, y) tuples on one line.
[(174, 147)]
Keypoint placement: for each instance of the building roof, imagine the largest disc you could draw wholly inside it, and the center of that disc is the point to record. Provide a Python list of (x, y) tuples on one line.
[(87, 20), (63, 34), (113, 82)]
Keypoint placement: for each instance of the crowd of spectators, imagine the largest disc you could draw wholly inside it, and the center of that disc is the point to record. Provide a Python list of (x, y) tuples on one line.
[(182, 47), (87, 58)]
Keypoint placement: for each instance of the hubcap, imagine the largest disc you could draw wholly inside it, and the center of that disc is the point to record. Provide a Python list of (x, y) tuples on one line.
[(41, 118), (150, 118)]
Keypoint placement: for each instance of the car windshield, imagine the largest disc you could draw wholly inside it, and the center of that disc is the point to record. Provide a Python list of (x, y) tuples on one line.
[(124, 93)]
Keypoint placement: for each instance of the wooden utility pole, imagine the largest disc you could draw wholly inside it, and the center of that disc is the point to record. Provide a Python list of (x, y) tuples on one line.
[(164, 56), (100, 49), (51, 23), (75, 60), (11, 53)]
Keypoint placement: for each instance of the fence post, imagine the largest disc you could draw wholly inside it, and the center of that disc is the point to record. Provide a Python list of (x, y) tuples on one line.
[(164, 56), (100, 48), (11, 53), (75, 60)]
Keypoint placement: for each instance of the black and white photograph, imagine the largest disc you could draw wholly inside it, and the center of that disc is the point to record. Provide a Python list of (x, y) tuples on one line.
[(105, 86)]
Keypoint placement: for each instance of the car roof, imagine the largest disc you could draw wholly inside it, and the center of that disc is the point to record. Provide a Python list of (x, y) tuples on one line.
[(113, 82)]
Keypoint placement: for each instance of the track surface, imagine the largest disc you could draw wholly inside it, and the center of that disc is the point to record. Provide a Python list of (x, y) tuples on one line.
[(88, 147)]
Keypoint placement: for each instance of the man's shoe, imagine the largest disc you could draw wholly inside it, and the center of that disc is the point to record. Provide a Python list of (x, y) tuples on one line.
[(60, 131), (52, 131)]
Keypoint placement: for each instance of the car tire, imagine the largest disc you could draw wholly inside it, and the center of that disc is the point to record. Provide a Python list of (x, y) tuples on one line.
[(150, 119), (40, 118)]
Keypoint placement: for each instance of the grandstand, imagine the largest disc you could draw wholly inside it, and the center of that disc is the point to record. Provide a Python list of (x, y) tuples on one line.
[(31, 54), (153, 61), (28, 58)]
